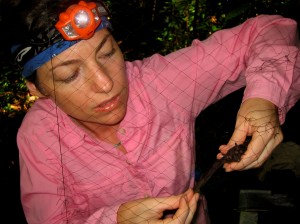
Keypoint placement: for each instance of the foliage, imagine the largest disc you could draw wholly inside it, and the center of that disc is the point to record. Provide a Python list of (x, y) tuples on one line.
[(185, 20), (14, 96)]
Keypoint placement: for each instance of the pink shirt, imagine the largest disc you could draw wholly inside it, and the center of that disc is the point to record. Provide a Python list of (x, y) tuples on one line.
[(67, 175)]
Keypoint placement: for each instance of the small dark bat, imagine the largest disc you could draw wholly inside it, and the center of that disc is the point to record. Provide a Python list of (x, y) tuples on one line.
[(233, 155)]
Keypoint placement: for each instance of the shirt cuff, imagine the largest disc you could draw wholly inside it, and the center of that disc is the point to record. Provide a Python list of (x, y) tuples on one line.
[(275, 95)]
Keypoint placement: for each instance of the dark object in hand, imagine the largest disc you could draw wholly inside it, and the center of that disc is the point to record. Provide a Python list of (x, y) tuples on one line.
[(233, 155)]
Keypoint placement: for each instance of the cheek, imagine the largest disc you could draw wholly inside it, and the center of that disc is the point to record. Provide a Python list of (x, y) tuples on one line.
[(75, 106), (118, 74), (70, 98)]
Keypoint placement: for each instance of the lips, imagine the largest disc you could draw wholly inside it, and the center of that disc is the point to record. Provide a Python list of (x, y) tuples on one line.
[(108, 105)]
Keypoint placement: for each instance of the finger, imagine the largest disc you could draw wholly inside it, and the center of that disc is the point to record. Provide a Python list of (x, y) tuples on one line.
[(181, 214), (193, 207), (238, 137), (189, 193), (253, 152), (172, 202), (267, 151), (262, 144)]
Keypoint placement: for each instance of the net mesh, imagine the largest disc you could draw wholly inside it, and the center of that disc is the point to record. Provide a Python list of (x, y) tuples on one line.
[(84, 174)]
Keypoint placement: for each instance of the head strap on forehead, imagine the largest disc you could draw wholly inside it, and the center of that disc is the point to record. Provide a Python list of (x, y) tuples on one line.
[(78, 22)]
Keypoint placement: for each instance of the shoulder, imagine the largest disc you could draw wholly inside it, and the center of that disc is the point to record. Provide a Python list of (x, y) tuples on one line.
[(42, 115)]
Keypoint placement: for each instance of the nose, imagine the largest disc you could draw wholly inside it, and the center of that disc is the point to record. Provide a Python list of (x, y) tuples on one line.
[(99, 79)]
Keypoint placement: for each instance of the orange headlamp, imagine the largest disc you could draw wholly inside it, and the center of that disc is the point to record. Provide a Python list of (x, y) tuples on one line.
[(80, 21)]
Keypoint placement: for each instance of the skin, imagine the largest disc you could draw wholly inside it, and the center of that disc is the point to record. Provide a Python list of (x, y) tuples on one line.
[(257, 118), (88, 82), (151, 209)]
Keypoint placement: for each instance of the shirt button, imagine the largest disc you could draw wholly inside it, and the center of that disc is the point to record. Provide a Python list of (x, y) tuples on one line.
[(128, 162)]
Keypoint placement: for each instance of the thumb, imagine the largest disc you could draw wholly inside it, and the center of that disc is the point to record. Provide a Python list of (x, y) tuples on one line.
[(181, 214), (173, 201), (168, 203)]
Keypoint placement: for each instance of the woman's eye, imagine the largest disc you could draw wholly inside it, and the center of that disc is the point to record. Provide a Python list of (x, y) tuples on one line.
[(111, 53), (71, 78), (105, 56)]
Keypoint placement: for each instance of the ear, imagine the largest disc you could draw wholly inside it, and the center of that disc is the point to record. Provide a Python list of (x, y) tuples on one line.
[(33, 89)]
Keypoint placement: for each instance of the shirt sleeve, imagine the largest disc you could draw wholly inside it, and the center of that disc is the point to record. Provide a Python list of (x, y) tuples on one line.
[(43, 195), (260, 54), (263, 52)]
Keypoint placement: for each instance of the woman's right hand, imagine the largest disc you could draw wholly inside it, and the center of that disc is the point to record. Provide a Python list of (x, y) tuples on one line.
[(151, 210)]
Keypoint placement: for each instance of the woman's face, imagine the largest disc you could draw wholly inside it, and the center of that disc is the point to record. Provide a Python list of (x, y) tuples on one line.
[(88, 81)]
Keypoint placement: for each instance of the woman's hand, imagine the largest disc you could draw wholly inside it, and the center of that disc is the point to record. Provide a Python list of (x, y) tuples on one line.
[(257, 118), (151, 210)]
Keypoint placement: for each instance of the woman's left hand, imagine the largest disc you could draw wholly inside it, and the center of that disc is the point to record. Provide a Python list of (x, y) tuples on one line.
[(257, 118)]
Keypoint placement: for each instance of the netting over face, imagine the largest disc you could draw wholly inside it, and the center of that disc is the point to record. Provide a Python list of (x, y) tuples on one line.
[(110, 132)]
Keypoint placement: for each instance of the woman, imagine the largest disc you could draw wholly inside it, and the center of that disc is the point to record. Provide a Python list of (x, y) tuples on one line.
[(110, 141)]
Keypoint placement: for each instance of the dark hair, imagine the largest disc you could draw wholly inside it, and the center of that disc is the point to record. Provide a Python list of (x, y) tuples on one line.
[(33, 78)]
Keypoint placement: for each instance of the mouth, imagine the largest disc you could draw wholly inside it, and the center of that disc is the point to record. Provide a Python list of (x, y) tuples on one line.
[(108, 105)]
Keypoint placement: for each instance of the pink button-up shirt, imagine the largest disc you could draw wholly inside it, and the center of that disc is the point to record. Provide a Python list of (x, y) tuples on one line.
[(68, 176)]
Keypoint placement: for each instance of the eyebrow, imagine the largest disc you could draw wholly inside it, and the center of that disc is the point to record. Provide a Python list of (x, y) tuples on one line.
[(98, 48)]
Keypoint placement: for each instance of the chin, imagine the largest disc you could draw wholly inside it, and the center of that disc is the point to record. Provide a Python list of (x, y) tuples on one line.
[(116, 118), (112, 118)]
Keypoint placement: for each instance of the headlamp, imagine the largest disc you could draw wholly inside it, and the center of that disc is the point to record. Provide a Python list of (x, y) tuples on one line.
[(80, 21)]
